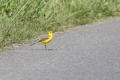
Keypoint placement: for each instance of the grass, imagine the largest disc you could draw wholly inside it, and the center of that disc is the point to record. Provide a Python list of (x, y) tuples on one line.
[(24, 19)]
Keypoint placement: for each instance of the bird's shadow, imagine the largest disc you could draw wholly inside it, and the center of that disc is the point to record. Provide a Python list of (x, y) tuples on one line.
[(45, 49)]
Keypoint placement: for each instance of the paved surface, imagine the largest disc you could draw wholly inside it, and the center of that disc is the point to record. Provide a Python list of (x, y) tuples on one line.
[(90, 52)]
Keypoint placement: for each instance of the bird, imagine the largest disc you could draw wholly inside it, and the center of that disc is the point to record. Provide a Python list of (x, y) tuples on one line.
[(46, 40)]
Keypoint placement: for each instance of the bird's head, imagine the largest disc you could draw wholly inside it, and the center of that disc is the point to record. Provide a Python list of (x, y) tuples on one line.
[(50, 33)]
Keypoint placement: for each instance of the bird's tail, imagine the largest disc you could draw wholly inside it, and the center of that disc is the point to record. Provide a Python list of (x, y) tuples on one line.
[(32, 44), (36, 41)]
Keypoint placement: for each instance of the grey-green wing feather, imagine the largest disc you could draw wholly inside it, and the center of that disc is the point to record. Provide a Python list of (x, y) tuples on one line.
[(42, 39), (38, 41)]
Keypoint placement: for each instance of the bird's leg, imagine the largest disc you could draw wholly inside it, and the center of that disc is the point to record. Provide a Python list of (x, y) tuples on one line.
[(45, 46)]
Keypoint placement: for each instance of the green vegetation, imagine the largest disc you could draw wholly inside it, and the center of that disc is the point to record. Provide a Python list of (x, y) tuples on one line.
[(24, 19)]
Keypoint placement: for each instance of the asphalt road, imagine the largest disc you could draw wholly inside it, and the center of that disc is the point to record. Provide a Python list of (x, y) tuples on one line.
[(89, 52)]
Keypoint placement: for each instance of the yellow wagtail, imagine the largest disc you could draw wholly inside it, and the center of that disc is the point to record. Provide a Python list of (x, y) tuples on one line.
[(46, 40)]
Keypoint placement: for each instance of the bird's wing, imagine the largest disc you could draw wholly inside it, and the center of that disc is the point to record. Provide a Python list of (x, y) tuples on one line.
[(39, 41), (43, 39)]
